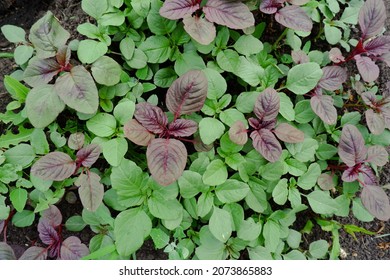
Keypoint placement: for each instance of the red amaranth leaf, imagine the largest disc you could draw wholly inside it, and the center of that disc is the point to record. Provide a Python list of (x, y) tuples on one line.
[(375, 122), (267, 105), (351, 174), (369, 98), (368, 175), (167, 159), (375, 199), (333, 77), (289, 134), (91, 191), (200, 29), (89, 155), (271, 6), (323, 106), (372, 18), (6, 252), (336, 56), (76, 141), (231, 13), (351, 146), (300, 57), (73, 249), (55, 166), (182, 128), (40, 71), (325, 182), (177, 9), (47, 232), (377, 155), (367, 68), (238, 133), (136, 133), (294, 17), (378, 46), (63, 56), (151, 117), (266, 144), (34, 253), (188, 93), (53, 216)]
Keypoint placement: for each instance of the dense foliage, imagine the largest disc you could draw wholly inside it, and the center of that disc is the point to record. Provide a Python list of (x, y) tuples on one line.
[(190, 123)]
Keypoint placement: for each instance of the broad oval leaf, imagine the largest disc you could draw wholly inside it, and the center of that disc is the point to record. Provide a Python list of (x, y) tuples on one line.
[(267, 105), (151, 117), (136, 133), (375, 200), (6, 252), (294, 17), (78, 90), (167, 159), (76, 140), (351, 146), (91, 191), (238, 133), (188, 93), (55, 166), (323, 106), (106, 71), (47, 232), (300, 57), (367, 68), (369, 98), (377, 155), (378, 46), (220, 224), (89, 155), (303, 77), (369, 177), (289, 134), (375, 122), (34, 253), (333, 77), (182, 128), (325, 182), (372, 17), (266, 144), (200, 29), (40, 71), (231, 13), (177, 9), (73, 249), (271, 6), (52, 215), (336, 56)]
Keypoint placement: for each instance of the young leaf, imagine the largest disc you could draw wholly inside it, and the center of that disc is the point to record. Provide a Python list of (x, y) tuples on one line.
[(372, 17), (200, 29), (76, 140), (177, 9), (13, 34), (136, 133), (47, 233), (375, 200), (351, 174), (294, 17), (323, 106), (336, 56), (88, 156), (267, 105), (231, 13), (40, 71), (367, 68), (55, 166), (167, 159), (289, 134), (375, 122), (333, 77), (325, 182), (377, 155), (266, 144), (188, 93), (271, 6), (238, 133), (351, 146), (151, 117), (34, 253), (73, 249), (182, 128), (91, 191), (378, 46)]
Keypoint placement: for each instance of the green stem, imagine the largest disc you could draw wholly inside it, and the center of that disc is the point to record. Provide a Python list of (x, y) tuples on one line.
[(275, 45), (6, 55)]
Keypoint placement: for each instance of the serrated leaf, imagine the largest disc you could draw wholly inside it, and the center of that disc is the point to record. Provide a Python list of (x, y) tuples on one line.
[(289, 134), (200, 29), (56, 166), (266, 144), (376, 201), (323, 106), (372, 17), (267, 105), (91, 191), (167, 159), (73, 249), (351, 146), (294, 17), (138, 134)]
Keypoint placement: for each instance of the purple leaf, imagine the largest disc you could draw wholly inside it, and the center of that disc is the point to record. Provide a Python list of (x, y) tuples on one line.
[(336, 56), (63, 55), (47, 232), (271, 6), (369, 98), (76, 141), (368, 175), (177, 9), (55, 166), (238, 133), (1, 226), (351, 146), (378, 46), (298, 2), (375, 122), (200, 29), (34, 253), (377, 155), (182, 128), (73, 249), (323, 106), (351, 174), (151, 117), (88, 156), (6, 252), (231, 13), (167, 159), (188, 93), (367, 68), (40, 71), (372, 17), (325, 182), (267, 105), (333, 77), (294, 17), (91, 191), (53, 216), (136, 133), (386, 58), (386, 116), (289, 134), (266, 144), (300, 57), (375, 199)]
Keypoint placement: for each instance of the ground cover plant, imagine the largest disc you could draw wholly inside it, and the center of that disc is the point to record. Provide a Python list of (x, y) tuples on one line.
[(181, 122)]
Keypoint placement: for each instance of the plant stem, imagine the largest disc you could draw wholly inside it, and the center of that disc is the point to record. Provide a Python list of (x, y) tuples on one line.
[(275, 45), (6, 55)]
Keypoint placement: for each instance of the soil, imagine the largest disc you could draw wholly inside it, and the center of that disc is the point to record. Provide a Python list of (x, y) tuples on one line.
[(25, 12)]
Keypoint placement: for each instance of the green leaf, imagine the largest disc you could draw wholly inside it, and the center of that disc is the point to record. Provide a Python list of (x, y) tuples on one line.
[(294, 255), (191, 184), (303, 77), (228, 60), (158, 24), (157, 49), (159, 237), (286, 107), (124, 111), (131, 227), (188, 61), (360, 212), (102, 125), (304, 151), (164, 77), (114, 150), (16, 89), (217, 85), (205, 203), (295, 167), (318, 249), (250, 71), (249, 230), (21, 154), (303, 112), (106, 71), (22, 54), (127, 179), (8, 173), (351, 118), (333, 35), (271, 233), (210, 130), (127, 47), (322, 203), (309, 179), (94, 8), (220, 224), (18, 198), (13, 34), (139, 60), (210, 248), (216, 173), (246, 101), (247, 45), (165, 209), (89, 50), (23, 219), (232, 191), (294, 238), (326, 151), (259, 253), (39, 142), (75, 223), (280, 192)]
